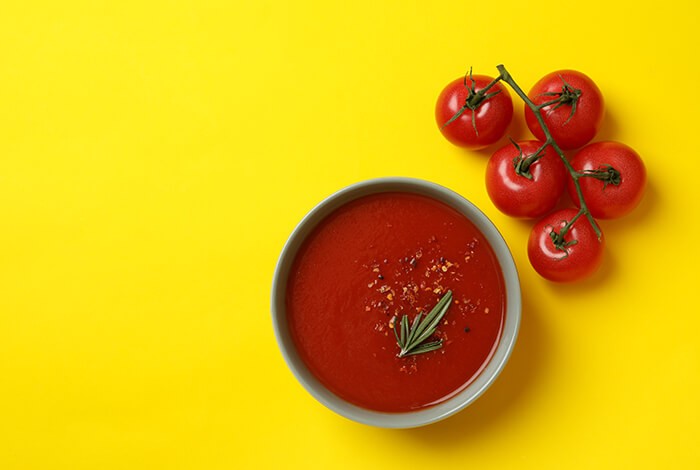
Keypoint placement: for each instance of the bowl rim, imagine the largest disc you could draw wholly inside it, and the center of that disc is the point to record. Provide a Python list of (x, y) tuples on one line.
[(489, 372)]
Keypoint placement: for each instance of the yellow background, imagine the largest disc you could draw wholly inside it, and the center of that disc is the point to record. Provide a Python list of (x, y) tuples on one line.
[(154, 156)]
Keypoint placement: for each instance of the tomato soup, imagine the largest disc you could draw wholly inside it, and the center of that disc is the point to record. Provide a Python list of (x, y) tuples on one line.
[(374, 260)]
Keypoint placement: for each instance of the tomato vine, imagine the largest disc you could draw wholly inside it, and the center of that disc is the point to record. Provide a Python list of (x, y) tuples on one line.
[(570, 96)]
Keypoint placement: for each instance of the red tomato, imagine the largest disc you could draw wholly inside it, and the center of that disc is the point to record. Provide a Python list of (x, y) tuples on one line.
[(483, 119), (615, 182), (517, 195), (579, 254), (574, 121)]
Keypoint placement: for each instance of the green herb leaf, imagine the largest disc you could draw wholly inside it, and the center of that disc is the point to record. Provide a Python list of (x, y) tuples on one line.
[(414, 327), (404, 329), (427, 347), (409, 340)]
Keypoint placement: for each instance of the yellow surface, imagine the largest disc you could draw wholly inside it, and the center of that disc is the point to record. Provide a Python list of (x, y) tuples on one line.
[(154, 156)]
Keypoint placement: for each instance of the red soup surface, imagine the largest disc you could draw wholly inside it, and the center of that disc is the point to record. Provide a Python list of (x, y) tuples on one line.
[(366, 265)]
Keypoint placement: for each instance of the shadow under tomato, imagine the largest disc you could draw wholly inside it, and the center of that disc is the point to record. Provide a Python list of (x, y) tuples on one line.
[(486, 152), (644, 213), (597, 281), (517, 131), (609, 128), (509, 392), (615, 232)]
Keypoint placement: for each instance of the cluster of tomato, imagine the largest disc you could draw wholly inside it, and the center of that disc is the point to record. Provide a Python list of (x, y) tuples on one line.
[(527, 179)]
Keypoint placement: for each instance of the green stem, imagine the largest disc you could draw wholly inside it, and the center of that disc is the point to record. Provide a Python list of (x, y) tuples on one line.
[(558, 237), (506, 77), (548, 103), (522, 166), (483, 91), (605, 173)]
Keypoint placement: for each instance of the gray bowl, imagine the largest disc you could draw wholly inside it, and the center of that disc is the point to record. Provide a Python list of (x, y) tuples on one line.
[(426, 415)]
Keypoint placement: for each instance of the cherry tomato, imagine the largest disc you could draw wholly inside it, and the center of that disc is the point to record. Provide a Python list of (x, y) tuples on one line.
[(615, 182), (483, 117), (574, 120), (579, 254), (515, 193)]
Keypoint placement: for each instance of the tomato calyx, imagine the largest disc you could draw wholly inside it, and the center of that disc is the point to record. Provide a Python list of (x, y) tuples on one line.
[(558, 239), (605, 173), (521, 163), (474, 99), (560, 244), (567, 96)]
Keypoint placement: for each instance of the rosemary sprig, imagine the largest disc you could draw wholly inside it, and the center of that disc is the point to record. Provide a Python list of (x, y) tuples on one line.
[(410, 340)]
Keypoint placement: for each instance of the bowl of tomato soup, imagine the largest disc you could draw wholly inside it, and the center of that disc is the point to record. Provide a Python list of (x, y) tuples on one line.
[(374, 268)]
